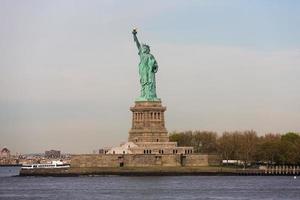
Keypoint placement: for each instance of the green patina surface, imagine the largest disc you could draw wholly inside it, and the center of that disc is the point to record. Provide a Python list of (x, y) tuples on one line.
[(147, 69)]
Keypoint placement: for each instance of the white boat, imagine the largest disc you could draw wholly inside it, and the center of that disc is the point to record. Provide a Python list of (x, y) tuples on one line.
[(53, 164)]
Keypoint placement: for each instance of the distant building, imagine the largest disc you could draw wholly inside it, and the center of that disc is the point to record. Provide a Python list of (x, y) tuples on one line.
[(52, 154), (5, 153)]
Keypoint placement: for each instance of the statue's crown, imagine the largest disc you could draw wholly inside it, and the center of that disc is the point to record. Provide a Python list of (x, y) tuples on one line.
[(146, 45)]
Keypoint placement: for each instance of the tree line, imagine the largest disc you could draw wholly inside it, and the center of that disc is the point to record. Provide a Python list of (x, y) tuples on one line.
[(245, 146)]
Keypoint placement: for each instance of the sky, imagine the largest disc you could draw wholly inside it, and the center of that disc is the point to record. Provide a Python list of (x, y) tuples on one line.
[(69, 69)]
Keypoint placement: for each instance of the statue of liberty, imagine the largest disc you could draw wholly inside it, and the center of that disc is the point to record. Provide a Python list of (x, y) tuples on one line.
[(147, 69)]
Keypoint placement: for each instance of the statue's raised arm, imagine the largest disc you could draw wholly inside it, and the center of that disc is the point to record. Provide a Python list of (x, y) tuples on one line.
[(134, 32)]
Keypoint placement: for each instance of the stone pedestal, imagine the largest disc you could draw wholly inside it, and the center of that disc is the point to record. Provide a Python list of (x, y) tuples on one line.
[(148, 122), (148, 132)]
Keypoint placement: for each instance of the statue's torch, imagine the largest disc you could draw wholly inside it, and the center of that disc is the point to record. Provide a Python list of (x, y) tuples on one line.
[(134, 31)]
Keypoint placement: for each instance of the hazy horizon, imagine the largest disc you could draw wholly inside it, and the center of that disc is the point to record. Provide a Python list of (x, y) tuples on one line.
[(69, 69)]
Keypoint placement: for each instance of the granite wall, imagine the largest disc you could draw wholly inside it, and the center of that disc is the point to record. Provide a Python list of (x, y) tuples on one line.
[(141, 160)]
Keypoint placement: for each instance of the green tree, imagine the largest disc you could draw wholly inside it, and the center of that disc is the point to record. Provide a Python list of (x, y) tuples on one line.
[(248, 146), (225, 146), (268, 148), (202, 141), (182, 138), (289, 148), (205, 141)]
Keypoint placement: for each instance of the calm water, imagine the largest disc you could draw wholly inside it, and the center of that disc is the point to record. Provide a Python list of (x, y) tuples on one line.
[(172, 187)]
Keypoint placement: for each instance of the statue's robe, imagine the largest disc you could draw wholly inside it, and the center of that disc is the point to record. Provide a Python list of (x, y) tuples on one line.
[(147, 69)]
